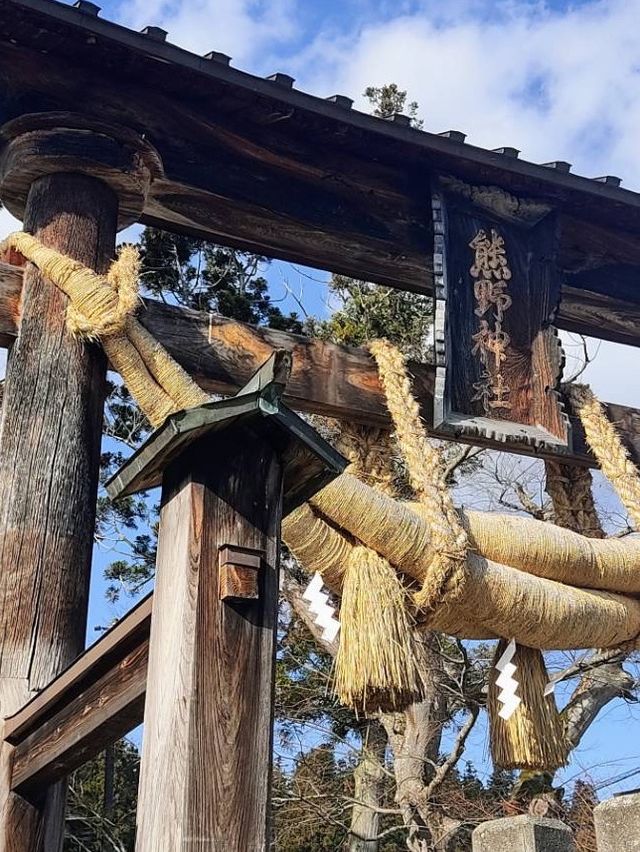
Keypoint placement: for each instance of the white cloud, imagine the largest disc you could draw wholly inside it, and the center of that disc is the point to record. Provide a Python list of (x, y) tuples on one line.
[(558, 85), (247, 30)]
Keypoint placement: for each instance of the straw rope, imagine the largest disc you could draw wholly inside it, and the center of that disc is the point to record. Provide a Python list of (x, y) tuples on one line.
[(378, 667), (608, 449), (496, 599), (401, 532), (426, 475), (102, 308), (428, 541)]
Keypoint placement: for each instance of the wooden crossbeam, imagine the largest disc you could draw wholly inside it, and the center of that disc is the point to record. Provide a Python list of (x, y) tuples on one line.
[(98, 699), (293, 176), (334, 381)]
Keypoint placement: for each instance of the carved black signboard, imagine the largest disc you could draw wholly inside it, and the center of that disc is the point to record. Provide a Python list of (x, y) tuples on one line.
[(498, 357)]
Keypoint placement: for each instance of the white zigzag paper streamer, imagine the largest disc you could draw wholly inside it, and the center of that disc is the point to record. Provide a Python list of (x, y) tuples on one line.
[(507, 683), (320, 607)]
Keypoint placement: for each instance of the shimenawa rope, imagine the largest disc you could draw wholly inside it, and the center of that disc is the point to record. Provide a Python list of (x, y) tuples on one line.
[(430, 540)]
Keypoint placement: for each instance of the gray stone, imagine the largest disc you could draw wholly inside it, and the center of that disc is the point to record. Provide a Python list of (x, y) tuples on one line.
[(618, 824), (523, 834)]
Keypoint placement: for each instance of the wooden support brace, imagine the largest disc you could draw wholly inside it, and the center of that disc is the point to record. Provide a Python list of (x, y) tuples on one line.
[(99, 698), (239, 570)]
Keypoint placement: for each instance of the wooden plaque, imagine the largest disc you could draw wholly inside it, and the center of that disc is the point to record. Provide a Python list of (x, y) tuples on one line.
[(498, 356)]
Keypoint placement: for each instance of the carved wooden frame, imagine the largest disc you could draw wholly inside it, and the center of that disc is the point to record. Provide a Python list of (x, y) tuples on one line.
[(546, 347)]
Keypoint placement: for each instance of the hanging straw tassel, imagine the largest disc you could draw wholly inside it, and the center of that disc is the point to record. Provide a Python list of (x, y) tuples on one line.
[(379, 664), (533, 737), (379, 660)]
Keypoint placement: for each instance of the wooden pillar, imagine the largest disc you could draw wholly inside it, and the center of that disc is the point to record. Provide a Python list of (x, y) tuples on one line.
[(206, 751), (51, 426), (49, 461)]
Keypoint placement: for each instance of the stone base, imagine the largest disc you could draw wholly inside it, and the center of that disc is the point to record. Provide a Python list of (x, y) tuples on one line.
[(618, 824), (523, 834)]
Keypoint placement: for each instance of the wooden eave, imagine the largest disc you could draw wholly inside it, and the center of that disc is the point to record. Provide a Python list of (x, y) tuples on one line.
[(251, 163), (309, 461)]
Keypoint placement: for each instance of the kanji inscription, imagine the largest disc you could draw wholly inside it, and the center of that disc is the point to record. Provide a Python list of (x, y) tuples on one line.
[(491, 274), (498, 358)]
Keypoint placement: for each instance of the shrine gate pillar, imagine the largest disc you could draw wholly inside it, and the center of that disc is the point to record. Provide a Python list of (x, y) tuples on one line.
[(67, 183)]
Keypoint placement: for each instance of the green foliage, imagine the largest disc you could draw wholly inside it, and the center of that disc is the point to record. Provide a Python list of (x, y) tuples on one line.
[(207, 277), (367, 311), (99, 819), (389, 99)]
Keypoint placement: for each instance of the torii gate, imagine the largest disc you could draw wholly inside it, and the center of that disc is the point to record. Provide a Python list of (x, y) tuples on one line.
[(101, 127)]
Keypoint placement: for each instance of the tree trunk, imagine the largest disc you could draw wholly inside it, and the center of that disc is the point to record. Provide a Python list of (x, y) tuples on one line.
[(415, 737), (49, 461), (368, 777)]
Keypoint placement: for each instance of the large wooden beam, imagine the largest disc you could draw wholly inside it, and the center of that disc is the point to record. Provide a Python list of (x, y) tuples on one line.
[(334, 381), (260, 165)]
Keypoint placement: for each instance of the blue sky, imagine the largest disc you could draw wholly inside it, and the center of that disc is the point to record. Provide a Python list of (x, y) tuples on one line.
[(558, 80)]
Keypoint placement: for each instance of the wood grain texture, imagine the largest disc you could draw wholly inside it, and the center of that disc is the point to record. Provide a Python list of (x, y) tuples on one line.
[(237, 582), (335, 381), (104, 711), (206, 751), (238, 573), (102, 658), (52, 143), (49, 452), (469, 317), (96, 700), (356, 186)]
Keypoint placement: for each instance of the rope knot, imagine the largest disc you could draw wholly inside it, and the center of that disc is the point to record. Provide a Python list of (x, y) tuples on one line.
[(98, 314), (102, 307)]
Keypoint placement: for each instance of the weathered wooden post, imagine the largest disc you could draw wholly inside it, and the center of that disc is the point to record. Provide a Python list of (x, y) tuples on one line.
[(66, 181), (227, 468)]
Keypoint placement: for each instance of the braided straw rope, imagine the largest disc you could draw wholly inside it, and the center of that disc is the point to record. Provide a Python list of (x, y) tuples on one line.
[(426, 475), (554, 615), (102, 308), (379, 666), (607, 447)]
